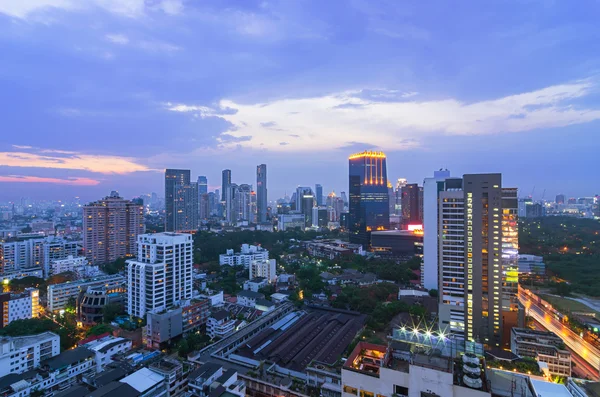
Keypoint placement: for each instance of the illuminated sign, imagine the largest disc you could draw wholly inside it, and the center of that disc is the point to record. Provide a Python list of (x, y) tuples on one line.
[(412, 228)]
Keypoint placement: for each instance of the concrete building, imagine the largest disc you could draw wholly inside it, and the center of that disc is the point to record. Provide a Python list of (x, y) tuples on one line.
[(68, 264), (263, 268), (396, 371), (147, 383), (18, 254), (174, 373), (173, 178), (431, 189), (397, 243), (290, 221), (106, 348), (248, 298), (255, 284), (110, 228), (220, 325), (24, 353), (163, 326), (532, 264), (19, 306), (59, 294), (56, 248), (213, 380), (91, 302), (248, 254), (161, 277), (545, 347), (412, 204), (195, 314)]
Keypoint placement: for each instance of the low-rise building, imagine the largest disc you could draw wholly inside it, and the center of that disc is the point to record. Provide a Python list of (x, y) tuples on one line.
[(106, 348), (65, 368), (162, 327), (279, 298), (255, 284), (91, 302), (545, 347), (24, 353), (174, 373), (211, 379), (331, 249), (220, 325), (59, 294), (69, 264), (147, 383), (195, 314), (215, 297), (248, 298), (290, 222), (326, 378), (19, 306), (264, 305), (248, 254), (531, 264), (401, 370)]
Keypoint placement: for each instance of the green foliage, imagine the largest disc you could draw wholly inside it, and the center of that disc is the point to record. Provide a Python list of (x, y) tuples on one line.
[(98, 329), (71, 305), (60, 278), (570, 247), (524, 366), (192, 342), (433, 293), (111, 311), (30, 326), (115, 267), (19, 285)]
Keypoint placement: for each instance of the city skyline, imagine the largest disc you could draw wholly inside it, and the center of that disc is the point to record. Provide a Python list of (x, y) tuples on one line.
[(115, 94)]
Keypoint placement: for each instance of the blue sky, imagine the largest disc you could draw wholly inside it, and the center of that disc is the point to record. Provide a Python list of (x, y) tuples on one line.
[(99, 95)]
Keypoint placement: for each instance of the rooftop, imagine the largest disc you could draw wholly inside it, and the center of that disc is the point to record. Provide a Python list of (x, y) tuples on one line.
[(115, 389), (264, 302), (205, 371), (143, 379), (68, 357), (251, 294), (27, 340), (220, 315), (103, 345), (549, 389), (73, 391), (320, 334)]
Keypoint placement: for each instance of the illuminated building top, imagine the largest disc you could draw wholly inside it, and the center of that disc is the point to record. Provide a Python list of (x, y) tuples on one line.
[(367, 153)]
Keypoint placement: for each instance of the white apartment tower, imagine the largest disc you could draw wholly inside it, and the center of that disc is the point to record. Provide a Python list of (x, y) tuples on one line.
[(451, 248), (161, 276), (263, 268), (431, 188)]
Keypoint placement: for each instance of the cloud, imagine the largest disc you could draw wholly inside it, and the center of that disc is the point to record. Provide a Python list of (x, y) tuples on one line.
[(268, 124), (330, 121), (56, 181), (146, 45), (228, 138), (117, 38), (283, 143), (23, 9), (61, 159)]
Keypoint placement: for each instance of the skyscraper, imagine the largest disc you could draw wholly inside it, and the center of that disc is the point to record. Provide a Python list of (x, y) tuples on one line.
[(111, 227), (226, 195), (308, 202), (478, 252), (319, 194), (161, 276), (431, 188), (412, 204), (301, 191), (172, 178), (226, 182), (186, 208), (560, 199), (369, 200), (202, 185), (261, 192)]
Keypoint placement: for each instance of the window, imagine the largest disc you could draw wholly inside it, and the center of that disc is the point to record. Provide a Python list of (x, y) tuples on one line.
[(350, 389), (364, 393), (400, 390)]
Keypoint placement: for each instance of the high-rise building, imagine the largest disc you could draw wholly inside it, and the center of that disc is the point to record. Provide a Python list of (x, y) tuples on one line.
[(226, 182), (110, 228), (242, 203), (205, 209), (319, 194), (412, 204), (477, 255), (308, 202), (511, 311), (186, 208), (431, 187), (301, 191), (161, 276), (344, 198), (261, 192), (369, 200), (335, 207), (253, 208), (202, 185), (560, 199), (173, 178)]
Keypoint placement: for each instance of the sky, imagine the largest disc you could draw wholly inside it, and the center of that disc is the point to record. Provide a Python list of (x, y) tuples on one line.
[(102, 95)]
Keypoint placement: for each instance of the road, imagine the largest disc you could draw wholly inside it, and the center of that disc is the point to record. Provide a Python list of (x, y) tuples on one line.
[(589, 355)]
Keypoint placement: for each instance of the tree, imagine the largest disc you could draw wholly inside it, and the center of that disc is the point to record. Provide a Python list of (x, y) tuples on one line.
[(99, 329), (71, 305), (115, 267), (111, 311), (433, 293), (183, 348), (28, 326)]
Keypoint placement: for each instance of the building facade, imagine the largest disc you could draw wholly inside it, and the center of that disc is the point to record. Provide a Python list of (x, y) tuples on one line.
[(247, 254), (24, 353), (59, 294), (161, 276), (110, 228), (369, 200), (173, 178), (545, 347), (19, 306), (261, 192), (263, 268)]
